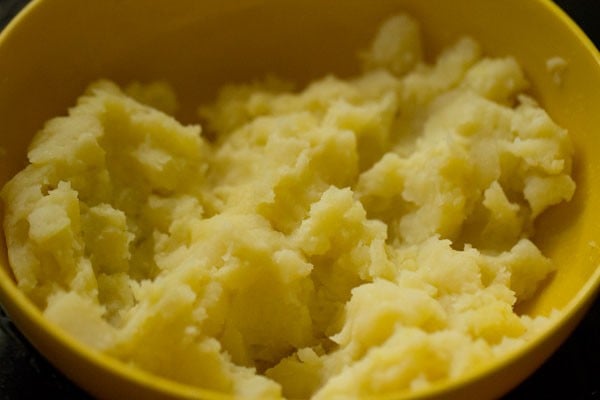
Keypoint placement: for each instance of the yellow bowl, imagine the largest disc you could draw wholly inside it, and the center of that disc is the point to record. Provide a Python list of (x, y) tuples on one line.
[(54, 48)]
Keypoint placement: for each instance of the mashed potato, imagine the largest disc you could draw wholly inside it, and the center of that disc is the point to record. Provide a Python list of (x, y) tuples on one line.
[(358, 237)]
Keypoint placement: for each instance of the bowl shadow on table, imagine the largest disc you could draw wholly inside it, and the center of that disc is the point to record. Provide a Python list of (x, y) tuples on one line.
[(573, 371), (25, 374)]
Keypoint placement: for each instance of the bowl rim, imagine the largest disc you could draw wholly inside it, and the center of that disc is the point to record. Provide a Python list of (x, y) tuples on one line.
[(16, 303)]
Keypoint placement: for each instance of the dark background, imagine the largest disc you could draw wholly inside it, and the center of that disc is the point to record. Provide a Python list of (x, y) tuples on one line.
[(573, 372)]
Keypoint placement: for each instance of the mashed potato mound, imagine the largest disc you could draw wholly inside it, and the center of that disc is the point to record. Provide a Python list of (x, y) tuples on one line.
[(359, 237)]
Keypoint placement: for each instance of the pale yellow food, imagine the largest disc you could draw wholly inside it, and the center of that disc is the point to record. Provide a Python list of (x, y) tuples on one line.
[(557, 67), (359, 237)]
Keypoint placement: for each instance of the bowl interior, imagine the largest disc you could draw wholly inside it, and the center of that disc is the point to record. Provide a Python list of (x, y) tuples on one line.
[(55, 48)]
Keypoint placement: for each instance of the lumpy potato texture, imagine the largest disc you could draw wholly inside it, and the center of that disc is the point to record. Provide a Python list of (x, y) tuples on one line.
[(359, 237)]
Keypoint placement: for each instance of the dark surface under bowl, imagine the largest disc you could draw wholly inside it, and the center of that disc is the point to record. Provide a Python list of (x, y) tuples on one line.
[(573, 372)]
